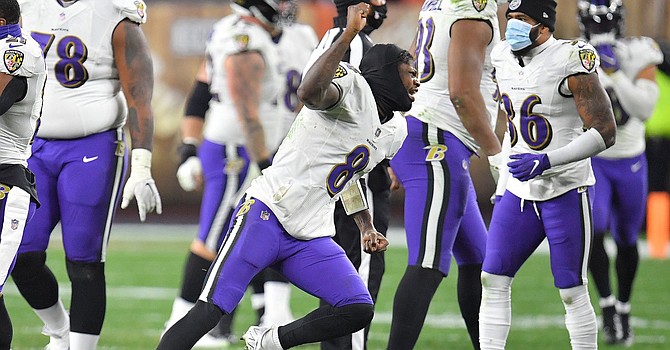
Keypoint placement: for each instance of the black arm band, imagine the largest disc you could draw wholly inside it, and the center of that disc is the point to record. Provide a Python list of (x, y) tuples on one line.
[(198, 102), (186, 151), (15, 91)]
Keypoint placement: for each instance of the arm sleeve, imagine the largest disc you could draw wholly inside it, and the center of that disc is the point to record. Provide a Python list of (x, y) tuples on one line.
[(14, 91), (586, 145), (637, 97)]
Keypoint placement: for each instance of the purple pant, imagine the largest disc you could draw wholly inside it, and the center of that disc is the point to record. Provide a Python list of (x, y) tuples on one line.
[(519, 226), (79, 183), (441, 211), (620, 199), (257, 240), (224, 170)]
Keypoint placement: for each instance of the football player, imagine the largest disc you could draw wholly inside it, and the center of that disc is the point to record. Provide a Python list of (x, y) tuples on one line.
[(559, 116), (377, 184), (100, 78), (627, 71), (22, 79), (222, 189), (286, 218), (451, 121)]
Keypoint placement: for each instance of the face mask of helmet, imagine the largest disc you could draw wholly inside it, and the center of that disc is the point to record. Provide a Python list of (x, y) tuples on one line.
[(271, 12), (601, 20)]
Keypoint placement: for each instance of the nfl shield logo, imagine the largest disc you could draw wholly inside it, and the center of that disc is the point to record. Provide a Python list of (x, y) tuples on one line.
[(15, 224), (13, 60), (479, 4), (588, 58), (265, 215)]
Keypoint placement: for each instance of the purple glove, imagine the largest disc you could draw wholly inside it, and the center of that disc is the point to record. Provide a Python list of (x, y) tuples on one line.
[(526, 166), (608, 61)]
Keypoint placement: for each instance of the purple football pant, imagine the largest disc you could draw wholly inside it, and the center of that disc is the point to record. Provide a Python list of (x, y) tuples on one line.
[(519, 226), (257, 240), (79, 184), (441, 212), (620, 199), (224, 170), (16, 208)]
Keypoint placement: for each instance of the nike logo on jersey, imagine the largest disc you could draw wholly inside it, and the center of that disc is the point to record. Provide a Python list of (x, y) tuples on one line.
[(537, 163), (14, 45), (88, 160)]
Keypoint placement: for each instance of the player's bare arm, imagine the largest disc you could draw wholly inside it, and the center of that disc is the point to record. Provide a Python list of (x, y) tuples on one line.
[(316, 90), (133, 61), (372, 241), (245, 71), (593, 105), (467, 53)]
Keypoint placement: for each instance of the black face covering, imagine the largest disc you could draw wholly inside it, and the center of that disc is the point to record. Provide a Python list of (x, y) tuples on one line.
[(379, 67)]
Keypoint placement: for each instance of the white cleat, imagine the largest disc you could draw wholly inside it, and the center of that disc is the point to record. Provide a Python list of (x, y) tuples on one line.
[(261, 338), (57, 340)]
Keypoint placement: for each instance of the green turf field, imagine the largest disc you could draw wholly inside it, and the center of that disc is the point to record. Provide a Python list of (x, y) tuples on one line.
[(144, 268)]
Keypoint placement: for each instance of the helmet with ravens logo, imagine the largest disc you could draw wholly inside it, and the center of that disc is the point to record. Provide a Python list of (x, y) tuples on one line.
[(601, 17)]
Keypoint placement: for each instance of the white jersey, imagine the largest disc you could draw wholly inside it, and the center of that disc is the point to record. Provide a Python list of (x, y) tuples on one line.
[(543, 112), (295, 47), (83, 94), (22, 57), (233, 35), (634, 54), (323, 153), (433, 104)]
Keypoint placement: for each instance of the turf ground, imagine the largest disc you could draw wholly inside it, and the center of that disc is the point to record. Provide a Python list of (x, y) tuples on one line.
[(144, 268)]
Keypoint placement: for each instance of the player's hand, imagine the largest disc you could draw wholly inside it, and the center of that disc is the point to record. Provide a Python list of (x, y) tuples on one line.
[(395, 183), (357, 16), (189, 174), (526, 166), (496, 165), (608, 61), (141, 185), (373, 242)]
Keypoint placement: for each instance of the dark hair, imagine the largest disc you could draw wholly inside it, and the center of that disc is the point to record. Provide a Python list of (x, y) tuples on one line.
[(10, 11), (406, 57)]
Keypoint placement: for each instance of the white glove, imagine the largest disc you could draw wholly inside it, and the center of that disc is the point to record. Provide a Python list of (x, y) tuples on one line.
[(189, 174), (141, 186)]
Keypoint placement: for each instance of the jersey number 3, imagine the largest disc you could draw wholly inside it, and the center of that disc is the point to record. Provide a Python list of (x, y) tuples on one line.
[(69, 70)]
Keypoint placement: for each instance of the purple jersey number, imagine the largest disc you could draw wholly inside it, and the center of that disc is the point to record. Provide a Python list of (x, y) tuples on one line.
[(293, 79), (535, 129), (424, 41), (70, 71), (341, 173)]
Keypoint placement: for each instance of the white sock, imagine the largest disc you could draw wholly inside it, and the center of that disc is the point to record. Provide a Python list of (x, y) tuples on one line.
[(180, 308), (81, 341), (270, 340), (622, 308), (580, 319), (56, 319), (277, 303), (495, 312), (607, 301)]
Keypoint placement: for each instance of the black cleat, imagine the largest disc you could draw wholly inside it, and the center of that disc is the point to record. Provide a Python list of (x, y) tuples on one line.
[(627, 337), (610, 325)]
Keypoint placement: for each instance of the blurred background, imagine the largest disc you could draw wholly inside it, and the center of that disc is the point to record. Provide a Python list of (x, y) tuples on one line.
[(177, 31)]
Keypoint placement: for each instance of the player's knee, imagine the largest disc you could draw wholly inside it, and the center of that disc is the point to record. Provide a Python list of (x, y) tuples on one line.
[(28, 265), (490, 281), (359, 315), (85, 271), (574, 294)]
